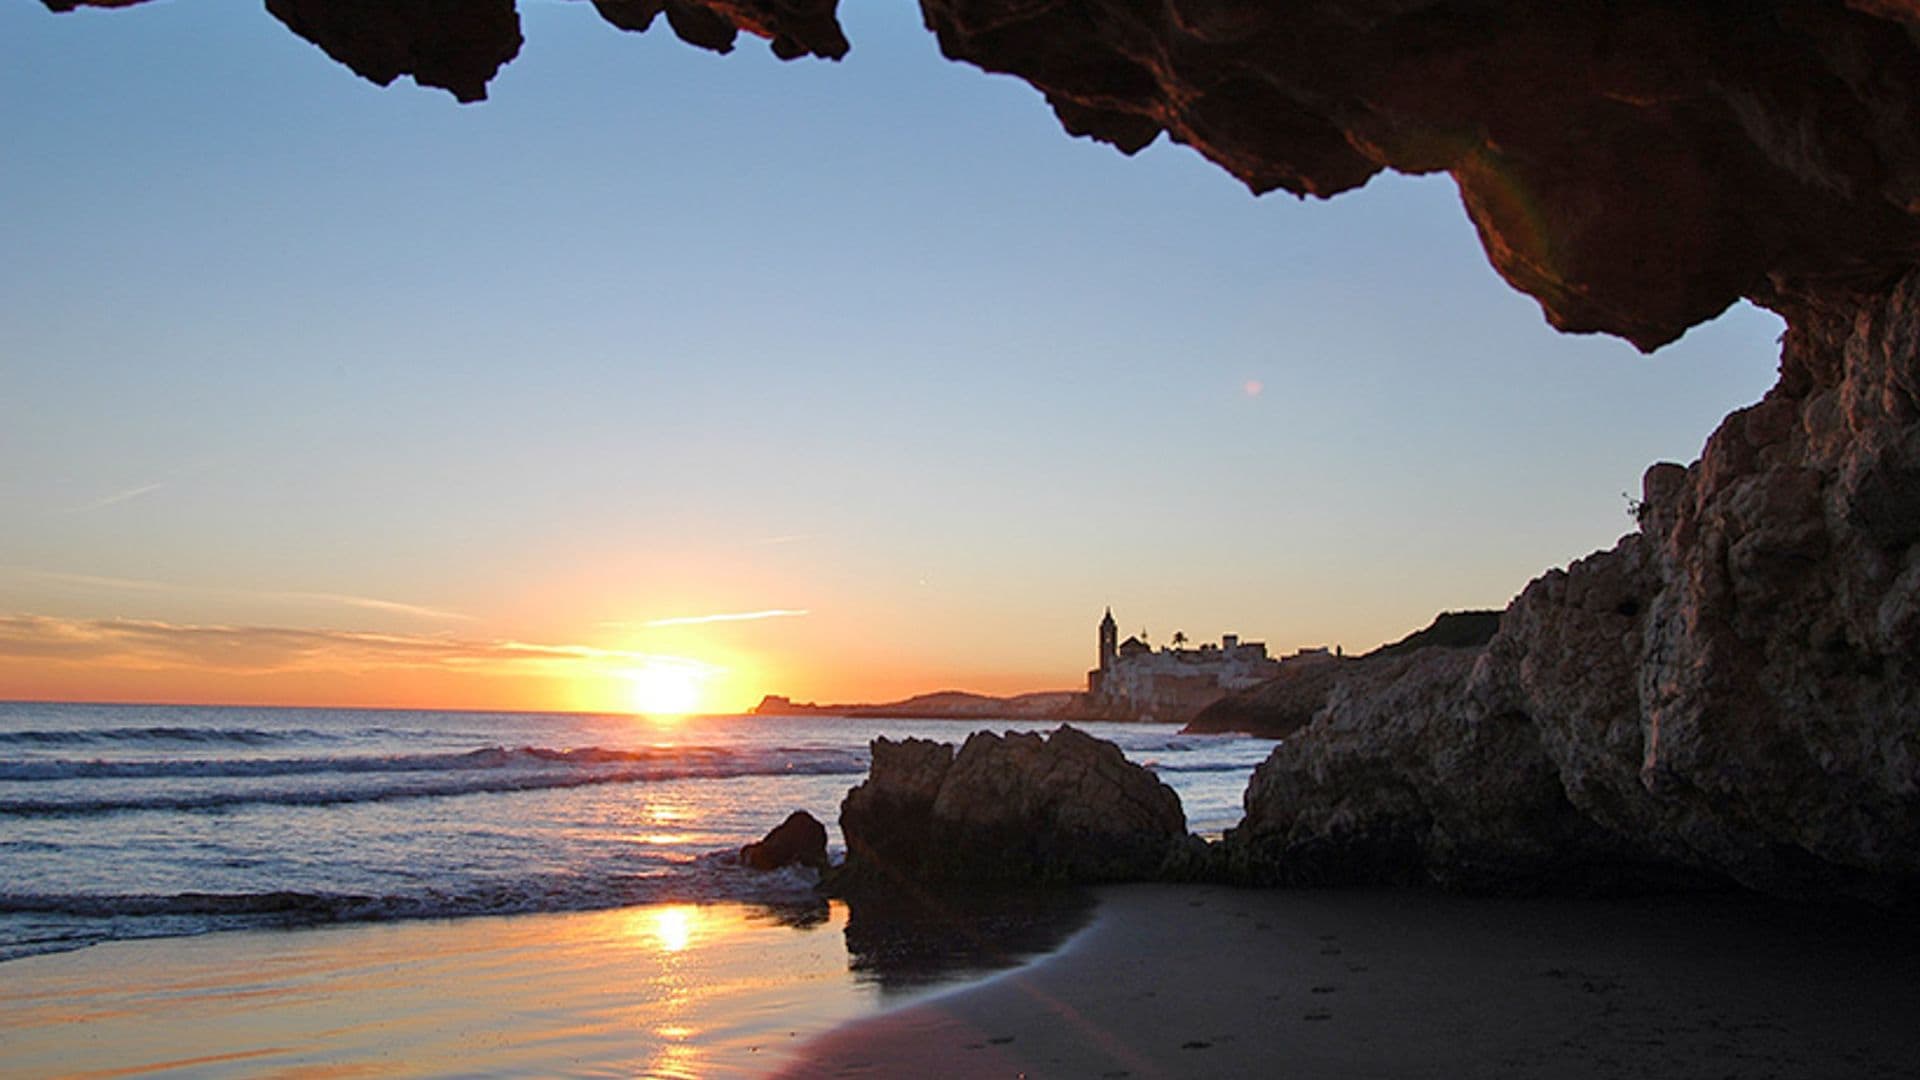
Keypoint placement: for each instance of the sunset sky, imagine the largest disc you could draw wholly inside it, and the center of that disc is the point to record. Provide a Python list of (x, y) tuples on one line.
[(661, 368)]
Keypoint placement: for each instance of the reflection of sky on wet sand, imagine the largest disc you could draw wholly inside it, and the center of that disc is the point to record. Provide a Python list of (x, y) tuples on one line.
[(675, 990)]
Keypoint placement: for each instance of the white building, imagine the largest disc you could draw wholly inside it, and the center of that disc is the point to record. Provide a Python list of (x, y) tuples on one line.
[(1137, 682)]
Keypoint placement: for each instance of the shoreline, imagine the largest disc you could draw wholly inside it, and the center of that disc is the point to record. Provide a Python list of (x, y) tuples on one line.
[(1185, 980), (670, 989), (662, 990)]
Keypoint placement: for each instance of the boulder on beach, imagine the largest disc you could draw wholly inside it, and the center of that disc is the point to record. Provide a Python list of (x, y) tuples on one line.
[(798, 841), (1010, 808)]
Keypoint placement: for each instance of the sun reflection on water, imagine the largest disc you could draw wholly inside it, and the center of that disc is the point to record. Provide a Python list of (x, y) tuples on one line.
[(667, 839), (673, 927)]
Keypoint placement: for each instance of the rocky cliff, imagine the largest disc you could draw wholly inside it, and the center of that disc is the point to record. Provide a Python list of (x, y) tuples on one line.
[(1734, 689), (1738, 683)]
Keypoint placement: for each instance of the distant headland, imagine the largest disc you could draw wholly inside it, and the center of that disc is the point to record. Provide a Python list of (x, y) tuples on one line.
[(942, 705)]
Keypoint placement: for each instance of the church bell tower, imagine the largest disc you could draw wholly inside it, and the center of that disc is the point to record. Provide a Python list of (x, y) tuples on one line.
[(1109, 641)]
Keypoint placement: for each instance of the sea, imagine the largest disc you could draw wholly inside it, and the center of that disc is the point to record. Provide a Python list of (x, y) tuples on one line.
[(145, 821)]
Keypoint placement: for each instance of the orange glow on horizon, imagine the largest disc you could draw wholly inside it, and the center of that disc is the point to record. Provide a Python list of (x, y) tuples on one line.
[(711, 668), (665, 689)]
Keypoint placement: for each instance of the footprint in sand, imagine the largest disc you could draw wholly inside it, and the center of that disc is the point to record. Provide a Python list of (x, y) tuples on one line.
[(1325, 989), (1195, 1044), (1330, 950), (1001, 1040), (1318, 1014)]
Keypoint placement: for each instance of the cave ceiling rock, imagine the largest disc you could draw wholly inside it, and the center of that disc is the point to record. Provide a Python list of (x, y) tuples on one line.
[(1635, 166)]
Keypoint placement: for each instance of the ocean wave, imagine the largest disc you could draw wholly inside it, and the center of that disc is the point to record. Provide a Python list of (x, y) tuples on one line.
[(491, 757), (165, 734), (1203, 767), (492, 770), (21, 948), (170, 735), (88, 918)]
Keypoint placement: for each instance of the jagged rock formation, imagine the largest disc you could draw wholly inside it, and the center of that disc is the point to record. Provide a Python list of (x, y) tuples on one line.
[(460, 45), (1636, 167), (1740, 682), (1419, 769), (1008, 809), (1731, 689)]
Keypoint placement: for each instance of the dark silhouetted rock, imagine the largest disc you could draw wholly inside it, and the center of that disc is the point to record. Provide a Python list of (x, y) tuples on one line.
[(458, 45), (1448, 630), (798, 841), (1013, 808)]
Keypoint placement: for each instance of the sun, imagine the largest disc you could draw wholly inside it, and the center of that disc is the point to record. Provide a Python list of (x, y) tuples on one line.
[(664, 689)]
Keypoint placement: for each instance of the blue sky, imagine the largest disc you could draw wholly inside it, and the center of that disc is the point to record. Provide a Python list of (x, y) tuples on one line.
[(655, 333)]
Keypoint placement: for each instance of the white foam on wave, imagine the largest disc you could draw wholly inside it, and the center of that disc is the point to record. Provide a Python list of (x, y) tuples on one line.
[(492, 770)]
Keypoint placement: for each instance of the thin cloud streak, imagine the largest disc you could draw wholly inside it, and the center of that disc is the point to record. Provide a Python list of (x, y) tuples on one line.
[(95, 581), (114, 499), (150, 645), (728, 616), (369, 603), (373, 604)]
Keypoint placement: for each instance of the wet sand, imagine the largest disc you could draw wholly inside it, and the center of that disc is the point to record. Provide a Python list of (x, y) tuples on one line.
[(1187, 981), (674, 990)]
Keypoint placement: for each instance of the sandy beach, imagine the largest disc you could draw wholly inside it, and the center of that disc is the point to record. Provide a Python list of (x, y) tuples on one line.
[(1175, 981), (1167, 981)]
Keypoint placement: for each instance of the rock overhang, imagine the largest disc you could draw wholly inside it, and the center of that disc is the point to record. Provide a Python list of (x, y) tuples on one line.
[(1635, 166)]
